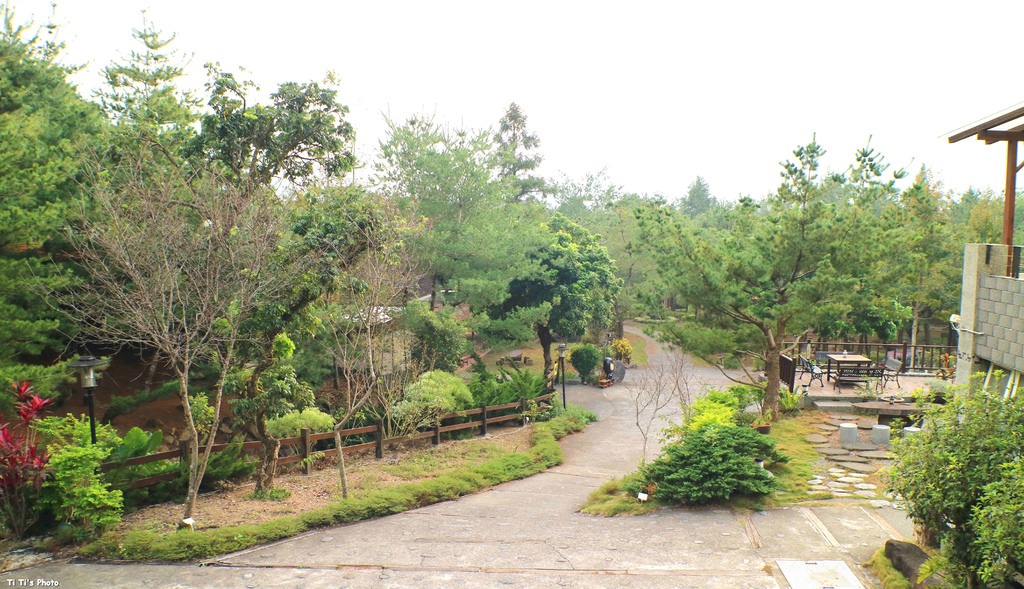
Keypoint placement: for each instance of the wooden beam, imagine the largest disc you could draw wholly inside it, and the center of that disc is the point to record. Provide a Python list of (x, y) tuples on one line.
[(1009, 199), (990, 137), (995, 121)]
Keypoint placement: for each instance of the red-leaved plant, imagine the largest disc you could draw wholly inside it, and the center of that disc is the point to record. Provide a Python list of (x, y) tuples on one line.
[(22, 464)]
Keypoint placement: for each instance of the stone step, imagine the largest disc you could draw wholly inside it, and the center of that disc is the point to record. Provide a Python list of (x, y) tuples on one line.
[(834, 405)]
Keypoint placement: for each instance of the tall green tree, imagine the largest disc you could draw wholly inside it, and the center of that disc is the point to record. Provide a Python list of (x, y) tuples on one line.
[(921, 263), (44, 126), (767, 274), (477, 236), (574, 286), (300, 135), (605, 209), (517, 153), (142, 96), (698, 198)]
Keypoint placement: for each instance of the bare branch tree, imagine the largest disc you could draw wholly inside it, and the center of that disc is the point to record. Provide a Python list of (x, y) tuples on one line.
[(657, 386), (175, 263), (362, 324)]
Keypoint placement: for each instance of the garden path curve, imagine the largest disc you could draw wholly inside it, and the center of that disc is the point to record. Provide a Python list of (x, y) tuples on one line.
[(527, 533)]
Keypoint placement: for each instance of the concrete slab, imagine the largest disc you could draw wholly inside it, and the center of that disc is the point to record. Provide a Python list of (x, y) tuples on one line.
[(848, 458), (833, 451), (854, 529), (859, 467), (834, 574), (787, 531)]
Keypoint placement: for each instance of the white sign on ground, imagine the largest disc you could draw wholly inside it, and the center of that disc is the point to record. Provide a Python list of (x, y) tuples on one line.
[(819, 574)]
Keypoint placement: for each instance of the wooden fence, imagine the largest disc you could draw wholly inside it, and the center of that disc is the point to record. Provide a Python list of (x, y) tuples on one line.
[(306, 440)]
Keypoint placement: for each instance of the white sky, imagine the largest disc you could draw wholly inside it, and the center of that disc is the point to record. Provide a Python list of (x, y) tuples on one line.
[(656, 92)]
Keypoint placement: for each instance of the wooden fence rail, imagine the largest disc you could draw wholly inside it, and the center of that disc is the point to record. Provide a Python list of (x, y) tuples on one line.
[(306, 440)]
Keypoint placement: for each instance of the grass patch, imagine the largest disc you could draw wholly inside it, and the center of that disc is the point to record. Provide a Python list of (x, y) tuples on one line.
[(437, 461), (790, 434), (639, 348), (886, 573), (611, 499), (186, 545), (276, 494)]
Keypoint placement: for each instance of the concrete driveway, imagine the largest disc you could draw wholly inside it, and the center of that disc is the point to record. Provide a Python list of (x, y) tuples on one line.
[(528, 534)]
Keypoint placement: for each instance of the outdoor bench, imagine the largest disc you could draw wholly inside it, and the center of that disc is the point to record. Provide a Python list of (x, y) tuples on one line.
[(857, 374)]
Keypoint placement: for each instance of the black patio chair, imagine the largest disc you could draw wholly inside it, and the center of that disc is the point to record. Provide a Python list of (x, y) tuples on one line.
[(813, 369)]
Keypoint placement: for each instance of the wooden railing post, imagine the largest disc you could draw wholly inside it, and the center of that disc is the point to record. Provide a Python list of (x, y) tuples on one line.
[(378, 436), (522, 412), (906, 361), (306, 448), (483, 420), (437, 433)]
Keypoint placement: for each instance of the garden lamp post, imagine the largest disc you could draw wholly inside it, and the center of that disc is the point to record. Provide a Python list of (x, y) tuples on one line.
[(561, 365), (86, 366)]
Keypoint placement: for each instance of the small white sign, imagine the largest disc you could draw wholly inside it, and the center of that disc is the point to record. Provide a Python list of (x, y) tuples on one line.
[(641, 496)]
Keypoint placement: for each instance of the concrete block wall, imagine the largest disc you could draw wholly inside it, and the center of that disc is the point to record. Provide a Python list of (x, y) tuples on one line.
[(993, 304), (999, 316)]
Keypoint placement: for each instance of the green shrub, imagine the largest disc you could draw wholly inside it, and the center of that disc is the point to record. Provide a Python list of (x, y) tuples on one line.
[(574, 412), (290, 424), (440, 340), (509, 385), (722, 398), (705, 412), (789, 402), (746, 395), (585, 359), (75, 493), (999, 524), (433, 394), (961, 478), (711, 464), (622, 349), (275, 494)]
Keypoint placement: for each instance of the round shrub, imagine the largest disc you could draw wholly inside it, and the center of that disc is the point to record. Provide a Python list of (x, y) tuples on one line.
[(585, 359), (432, 395), (712, 464), (290, 424), (622, 349)]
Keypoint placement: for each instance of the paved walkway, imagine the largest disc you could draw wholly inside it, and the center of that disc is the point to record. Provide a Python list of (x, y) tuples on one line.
[(528, 534)]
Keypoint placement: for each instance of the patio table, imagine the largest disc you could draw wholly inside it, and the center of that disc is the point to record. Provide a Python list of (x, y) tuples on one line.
[(842, 359)]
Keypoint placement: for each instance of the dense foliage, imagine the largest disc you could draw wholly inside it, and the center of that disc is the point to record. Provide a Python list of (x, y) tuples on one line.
[(961, 478), (585, 359), (712, 464)]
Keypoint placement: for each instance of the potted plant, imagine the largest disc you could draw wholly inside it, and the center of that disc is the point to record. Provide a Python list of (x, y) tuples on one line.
[(763, 424)]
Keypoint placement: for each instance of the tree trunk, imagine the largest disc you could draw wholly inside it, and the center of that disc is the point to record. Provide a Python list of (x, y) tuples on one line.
[(269, 451), (771, 372), (771, 389), (544, 335), (342, 475), (193, 445), (433, 291)]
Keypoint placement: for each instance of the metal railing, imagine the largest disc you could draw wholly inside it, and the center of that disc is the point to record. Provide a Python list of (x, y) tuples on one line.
[(917, 358)]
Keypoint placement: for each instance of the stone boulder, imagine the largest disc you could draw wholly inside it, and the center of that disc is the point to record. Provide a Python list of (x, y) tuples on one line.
[(907, 558)]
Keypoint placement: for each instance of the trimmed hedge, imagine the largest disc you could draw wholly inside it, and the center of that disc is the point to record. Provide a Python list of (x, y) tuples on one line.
[(186, 545)]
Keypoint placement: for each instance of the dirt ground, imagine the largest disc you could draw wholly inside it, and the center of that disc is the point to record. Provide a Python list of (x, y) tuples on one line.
[(232, 506)]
